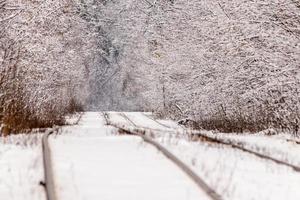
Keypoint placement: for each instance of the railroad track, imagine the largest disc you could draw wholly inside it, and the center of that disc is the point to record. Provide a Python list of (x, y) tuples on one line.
[(48, 171), (294, 141), (144, 128), (78, 119), (198, 180), (49, 183), (164, 125), (200, 136), (143, 133), (244, 149), (47, 163)]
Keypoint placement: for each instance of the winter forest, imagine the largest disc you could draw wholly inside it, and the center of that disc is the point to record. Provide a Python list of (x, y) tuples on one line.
[(149, 99), (231, 66)]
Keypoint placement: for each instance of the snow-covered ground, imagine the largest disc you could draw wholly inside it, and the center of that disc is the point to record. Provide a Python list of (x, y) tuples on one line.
[(92, 161), (21, 168)]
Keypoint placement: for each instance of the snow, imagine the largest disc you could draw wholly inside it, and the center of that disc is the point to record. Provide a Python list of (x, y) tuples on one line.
[(143, 120), (182, 59), (234, 174), (92, 161), (276, 146), (98, 165), (21, 168)]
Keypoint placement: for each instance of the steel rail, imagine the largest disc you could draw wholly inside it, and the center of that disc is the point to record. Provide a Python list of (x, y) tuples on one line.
[(189, 172), (79, 118), (49, 183), (164, 125), (106, 117), (169, 130), (247, 150), (293, 141), (48, 170), (199, 135)]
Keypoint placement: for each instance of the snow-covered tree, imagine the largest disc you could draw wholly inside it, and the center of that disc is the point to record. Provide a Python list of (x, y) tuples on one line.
[(230, 65), (218, 62), (44, 46)]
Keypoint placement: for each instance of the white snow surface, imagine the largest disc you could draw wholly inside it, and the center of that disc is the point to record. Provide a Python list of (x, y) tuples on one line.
[(21, 168), (92, 162)]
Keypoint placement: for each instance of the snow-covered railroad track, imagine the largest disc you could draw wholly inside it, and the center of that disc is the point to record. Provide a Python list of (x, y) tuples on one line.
[(152, 124), (198, 135), (294, 141), (204, 137), (90, 161), (198, 180), (47, 163), (48, 171), (164, 125)]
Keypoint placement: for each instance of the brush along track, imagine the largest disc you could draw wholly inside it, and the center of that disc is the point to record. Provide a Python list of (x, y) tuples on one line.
[(198, 135), (48, 170), (199, 181)]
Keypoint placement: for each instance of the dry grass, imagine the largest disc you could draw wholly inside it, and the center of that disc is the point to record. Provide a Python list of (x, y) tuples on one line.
[(19, 118), (238, 118)]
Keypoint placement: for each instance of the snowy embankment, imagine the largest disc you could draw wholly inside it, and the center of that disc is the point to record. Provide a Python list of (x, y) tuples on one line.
[(21, 168)]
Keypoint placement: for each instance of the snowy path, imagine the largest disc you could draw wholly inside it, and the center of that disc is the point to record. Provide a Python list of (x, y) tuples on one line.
[(90, 162)]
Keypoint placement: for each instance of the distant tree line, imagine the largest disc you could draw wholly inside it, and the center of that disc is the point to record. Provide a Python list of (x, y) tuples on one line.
[(226, 65)]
